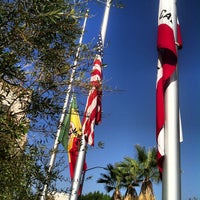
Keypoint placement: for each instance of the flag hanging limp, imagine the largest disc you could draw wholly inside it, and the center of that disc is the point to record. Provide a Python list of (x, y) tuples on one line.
[(71, 135), (167, 61), (93, 109), (63, 136)]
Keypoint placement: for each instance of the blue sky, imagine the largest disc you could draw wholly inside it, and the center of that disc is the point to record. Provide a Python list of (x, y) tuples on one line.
[(129, 115)]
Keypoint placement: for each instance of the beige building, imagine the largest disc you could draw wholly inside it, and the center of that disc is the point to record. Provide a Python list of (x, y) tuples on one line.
[(60, 196), (14, 101)]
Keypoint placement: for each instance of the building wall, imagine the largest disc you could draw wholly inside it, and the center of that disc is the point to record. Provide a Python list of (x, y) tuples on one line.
[(61, 196), (15, 98), (14, 101)]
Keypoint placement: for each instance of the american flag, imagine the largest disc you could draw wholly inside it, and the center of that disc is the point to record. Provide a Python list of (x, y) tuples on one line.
[(93, 109), (167, 61)]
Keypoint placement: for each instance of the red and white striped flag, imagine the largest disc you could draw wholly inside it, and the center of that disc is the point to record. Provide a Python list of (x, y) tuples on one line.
[(167, 61), (93, 109)]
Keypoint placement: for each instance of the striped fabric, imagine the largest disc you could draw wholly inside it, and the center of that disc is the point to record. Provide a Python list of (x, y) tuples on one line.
[(93, 109)]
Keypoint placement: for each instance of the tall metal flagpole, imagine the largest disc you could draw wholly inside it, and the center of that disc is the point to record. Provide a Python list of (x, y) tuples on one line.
[(171, 167), (82, 151), (55, 147), (105, 21)]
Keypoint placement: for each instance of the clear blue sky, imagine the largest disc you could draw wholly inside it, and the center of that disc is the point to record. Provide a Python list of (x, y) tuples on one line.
[(129, 116)]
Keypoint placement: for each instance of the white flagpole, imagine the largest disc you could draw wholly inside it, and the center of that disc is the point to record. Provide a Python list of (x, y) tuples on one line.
[(55, 147), (171, 186), (82, 151), (105, 21)]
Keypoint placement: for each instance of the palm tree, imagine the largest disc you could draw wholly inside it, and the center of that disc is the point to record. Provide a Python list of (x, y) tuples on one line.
[(129, 173), (131, 193), (112, 181), (129, 170), (148, 171)]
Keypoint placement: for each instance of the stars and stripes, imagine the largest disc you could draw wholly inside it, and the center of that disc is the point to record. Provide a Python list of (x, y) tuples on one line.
[(93, 109)]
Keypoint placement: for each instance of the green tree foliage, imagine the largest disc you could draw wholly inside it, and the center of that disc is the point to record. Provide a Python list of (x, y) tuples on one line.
[(148, 163), (112, 181), (38, 42), (129, 169), (95, 196), (148, 170), (37, 32), (131, 173)]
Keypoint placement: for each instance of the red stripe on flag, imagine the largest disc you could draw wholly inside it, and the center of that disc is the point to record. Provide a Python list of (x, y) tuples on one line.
[(166, 67), (92, 114)]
